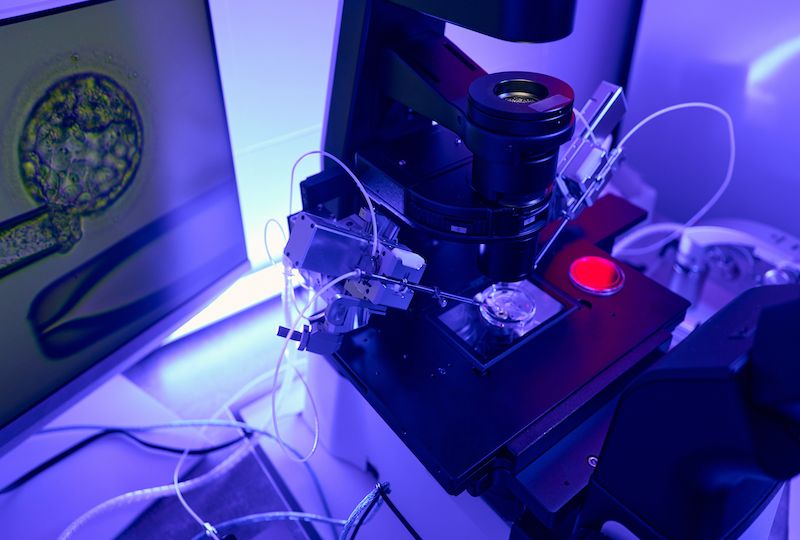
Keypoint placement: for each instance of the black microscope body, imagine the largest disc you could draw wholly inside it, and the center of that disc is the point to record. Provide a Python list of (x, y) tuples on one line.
[(464, 162)]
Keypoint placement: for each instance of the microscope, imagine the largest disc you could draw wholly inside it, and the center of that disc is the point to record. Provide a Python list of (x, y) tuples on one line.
[(482, 315)]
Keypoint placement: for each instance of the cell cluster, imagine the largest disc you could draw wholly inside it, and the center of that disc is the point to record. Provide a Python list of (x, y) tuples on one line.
[(79, 150), (81, 145)]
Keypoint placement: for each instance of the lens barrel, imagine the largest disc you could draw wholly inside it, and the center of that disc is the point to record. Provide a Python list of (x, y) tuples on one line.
[(518, 122)]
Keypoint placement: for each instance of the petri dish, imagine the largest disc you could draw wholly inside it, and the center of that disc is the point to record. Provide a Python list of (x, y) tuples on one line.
[(507, 305)]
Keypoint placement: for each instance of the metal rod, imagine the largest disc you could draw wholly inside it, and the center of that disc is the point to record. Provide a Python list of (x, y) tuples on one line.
[(568, 215), (433, 291), (550, 242)]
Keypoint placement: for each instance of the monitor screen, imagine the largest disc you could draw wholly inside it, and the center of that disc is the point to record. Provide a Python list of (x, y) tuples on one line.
[(119, 213)]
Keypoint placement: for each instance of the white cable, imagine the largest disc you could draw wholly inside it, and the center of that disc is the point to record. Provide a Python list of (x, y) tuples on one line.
[(287, 272), (270, 260), (151, 494), (208, 528), (168, 490), (286, 340), (622, 246), (290, 298), (276, 516), (176, 424), (670, 228), (579, 115), (178, 488), (302, 516), (359, 185), (358, 510), (247, 447), (288, 287), (206, 525)]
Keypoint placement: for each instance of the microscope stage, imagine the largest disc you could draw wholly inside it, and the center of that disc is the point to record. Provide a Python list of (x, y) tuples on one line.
[(463, 416), (488, 341)]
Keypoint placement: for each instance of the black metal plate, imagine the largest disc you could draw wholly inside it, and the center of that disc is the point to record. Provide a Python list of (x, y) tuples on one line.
[(456, 421)]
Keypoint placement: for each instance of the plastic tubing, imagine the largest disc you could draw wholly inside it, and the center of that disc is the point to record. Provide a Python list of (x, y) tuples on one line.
[(359, 185), (622, 247)]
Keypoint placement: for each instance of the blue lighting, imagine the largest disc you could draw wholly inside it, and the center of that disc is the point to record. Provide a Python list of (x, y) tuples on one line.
[(770, 62)]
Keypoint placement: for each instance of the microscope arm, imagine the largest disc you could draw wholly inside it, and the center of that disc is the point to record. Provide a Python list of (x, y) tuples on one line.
[(370, 27), (510, 20), (407, 78)]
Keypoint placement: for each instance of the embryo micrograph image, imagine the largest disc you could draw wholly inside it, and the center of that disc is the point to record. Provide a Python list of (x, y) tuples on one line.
[(81, 144), (80, 148)]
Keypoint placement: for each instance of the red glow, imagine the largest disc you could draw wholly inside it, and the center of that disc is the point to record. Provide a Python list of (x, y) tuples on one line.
[(596, 275)]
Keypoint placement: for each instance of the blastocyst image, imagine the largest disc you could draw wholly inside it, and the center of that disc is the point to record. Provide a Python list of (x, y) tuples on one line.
[(80, 148), (81, 145)]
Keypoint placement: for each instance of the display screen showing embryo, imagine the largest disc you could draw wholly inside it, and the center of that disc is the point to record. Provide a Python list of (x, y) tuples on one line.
[(118, 201)]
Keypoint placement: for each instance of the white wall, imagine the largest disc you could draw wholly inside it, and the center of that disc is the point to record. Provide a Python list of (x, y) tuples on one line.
[(745, 57), (274, 58)]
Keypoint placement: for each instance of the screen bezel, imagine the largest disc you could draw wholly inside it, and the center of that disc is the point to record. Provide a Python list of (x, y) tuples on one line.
[(44, 411)]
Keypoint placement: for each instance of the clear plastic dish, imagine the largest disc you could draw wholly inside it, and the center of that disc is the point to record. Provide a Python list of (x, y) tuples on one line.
[(507, 305)]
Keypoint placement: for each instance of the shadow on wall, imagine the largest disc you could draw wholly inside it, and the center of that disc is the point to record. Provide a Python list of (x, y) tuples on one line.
[(750, 65)]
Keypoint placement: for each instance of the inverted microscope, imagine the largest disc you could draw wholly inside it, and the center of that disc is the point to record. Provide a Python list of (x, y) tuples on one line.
[(477, 307)]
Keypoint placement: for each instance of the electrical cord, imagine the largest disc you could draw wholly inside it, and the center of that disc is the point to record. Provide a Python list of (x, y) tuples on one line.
[(154, 493), (159, 492), (287, 271), (381, 494), (271, 221), (385, 496), (360, 509), (364, 515), (358, 516), (287, 274), (281, 356), (177, 488), (208, 528), (58, 458), (290, 453), (271, 516), (165, 426), (622, 247)]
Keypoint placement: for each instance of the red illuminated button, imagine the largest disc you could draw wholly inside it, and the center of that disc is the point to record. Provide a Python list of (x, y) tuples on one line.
[(596, 275)]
